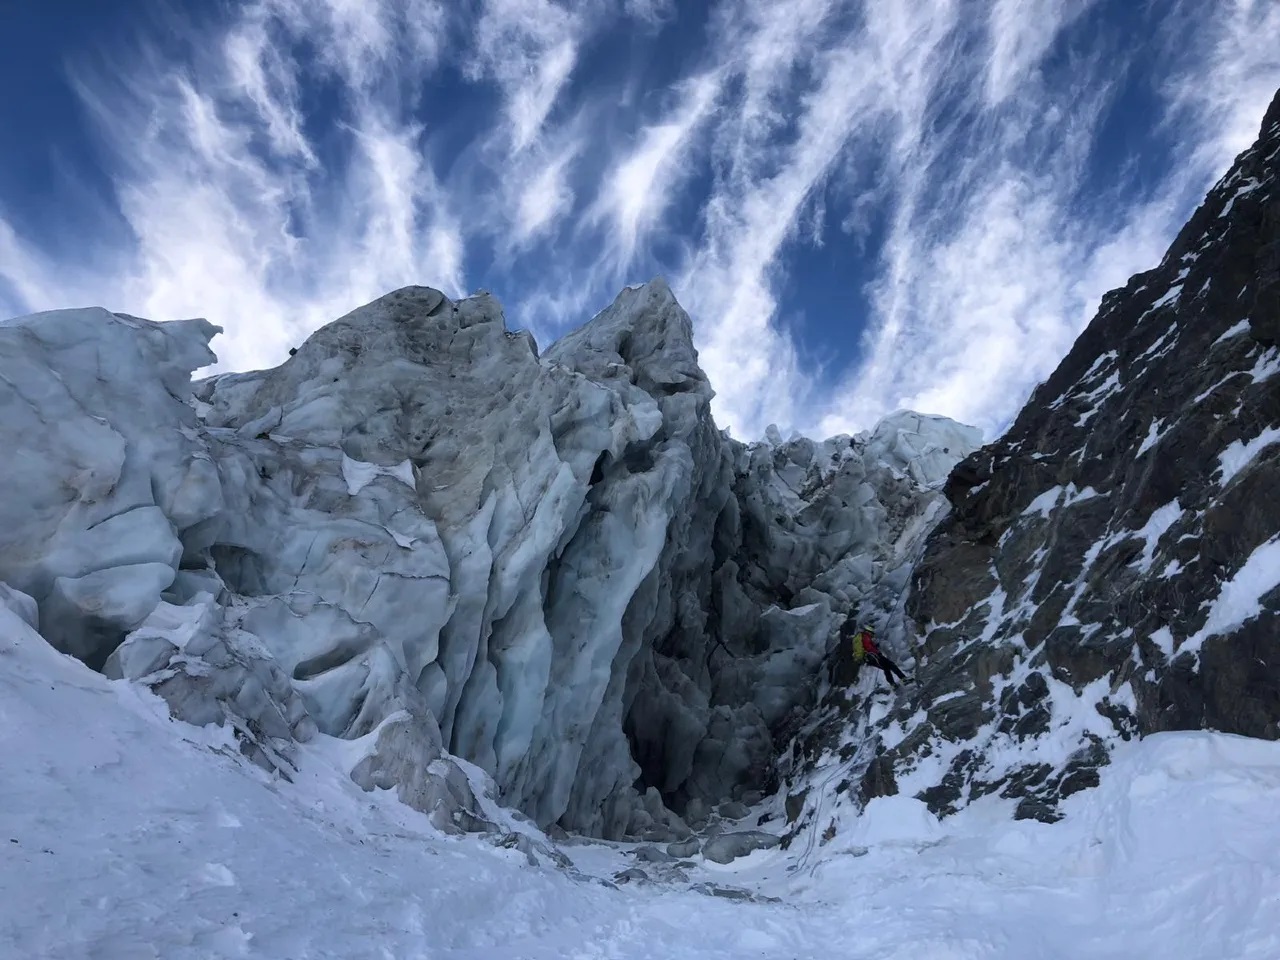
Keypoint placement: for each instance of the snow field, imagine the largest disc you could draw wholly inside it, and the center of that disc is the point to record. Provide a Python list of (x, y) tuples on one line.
[(129, 835)]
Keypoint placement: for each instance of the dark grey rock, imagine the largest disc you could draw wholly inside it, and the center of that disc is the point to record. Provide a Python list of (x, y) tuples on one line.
[(651, 855), (731, 893), (878, 780), (532, 849), (729, 846), (684, 848), (1029, 808), (696, 812), (733, 810), (795, 805), (725, 893), (960, 715)]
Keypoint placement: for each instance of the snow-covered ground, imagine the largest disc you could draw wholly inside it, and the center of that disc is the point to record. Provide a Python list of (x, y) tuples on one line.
[(129, 835)]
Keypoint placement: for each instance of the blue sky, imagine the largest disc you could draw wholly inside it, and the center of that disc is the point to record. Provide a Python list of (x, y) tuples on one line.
[(864, 205)]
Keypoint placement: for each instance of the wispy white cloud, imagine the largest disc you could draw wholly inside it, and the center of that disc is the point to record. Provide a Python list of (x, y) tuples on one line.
[(978, 293), (640, 186), (234, 215), (653, 12), (990, 264), (262, 76), (980, 298), (871, 86), (946, 151), (543, 197), (369, 44), (26, 275), (1020, 33), (530, 48), (1226, 78)]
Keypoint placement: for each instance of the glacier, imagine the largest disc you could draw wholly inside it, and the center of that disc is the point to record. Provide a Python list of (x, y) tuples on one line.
[(552, 566)]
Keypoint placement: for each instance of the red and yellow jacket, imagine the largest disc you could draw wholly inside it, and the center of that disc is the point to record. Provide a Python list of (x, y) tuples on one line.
[(863, 644)]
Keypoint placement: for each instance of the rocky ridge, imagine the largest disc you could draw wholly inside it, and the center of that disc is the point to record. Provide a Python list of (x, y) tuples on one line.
[(1110, 567)]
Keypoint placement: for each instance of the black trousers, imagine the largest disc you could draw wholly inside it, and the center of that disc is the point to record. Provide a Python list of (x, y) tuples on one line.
[(888, 666)]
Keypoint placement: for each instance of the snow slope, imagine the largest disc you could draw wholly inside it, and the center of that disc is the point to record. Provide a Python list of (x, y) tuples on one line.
[(128, 835)]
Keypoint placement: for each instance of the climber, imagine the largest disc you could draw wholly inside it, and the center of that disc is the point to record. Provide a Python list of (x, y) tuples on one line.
[(865, 649)]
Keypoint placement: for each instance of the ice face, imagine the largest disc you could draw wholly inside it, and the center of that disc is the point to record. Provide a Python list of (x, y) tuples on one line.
[(107, 474), (924, 447), (557, 562)]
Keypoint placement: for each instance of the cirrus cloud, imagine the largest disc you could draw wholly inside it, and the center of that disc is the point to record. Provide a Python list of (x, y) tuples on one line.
[(961, 180)]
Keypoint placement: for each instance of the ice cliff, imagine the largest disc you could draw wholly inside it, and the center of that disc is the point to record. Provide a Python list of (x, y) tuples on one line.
[(419, 533)]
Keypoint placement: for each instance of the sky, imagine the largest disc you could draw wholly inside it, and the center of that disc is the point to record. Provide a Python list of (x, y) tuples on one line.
[(865, 205)]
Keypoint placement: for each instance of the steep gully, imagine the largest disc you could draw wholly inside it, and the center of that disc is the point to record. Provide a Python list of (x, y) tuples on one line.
[(420, 532)]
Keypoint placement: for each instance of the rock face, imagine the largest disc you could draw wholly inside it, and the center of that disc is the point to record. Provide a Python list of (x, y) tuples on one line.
[(1111, 566), (418, 531)]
